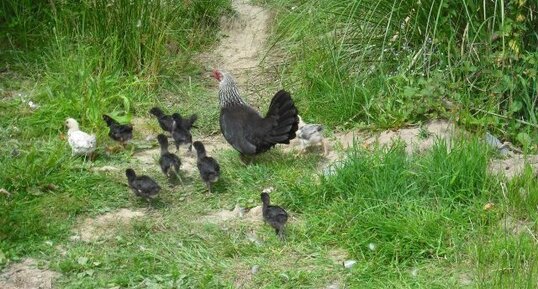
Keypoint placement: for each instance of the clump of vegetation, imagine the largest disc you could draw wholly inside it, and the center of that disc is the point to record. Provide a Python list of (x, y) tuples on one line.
[(92, 57), (81, 59), (389, 63)]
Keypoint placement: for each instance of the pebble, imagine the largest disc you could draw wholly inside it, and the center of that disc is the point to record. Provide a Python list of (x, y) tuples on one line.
[(254, 269), (33, 105), (349, 263), (414, 272)]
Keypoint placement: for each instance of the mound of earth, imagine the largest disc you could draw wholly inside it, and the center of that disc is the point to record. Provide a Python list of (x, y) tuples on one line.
[(27, 275)]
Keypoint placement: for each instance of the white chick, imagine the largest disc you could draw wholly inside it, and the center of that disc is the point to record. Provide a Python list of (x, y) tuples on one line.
[(310, 135), (81, 143)]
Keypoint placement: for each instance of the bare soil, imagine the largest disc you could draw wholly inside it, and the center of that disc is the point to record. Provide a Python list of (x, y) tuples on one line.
[(27, 275), (513, 165), (105, 226)]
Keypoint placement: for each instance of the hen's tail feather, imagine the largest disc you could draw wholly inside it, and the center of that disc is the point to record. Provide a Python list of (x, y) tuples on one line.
[(284, 111)]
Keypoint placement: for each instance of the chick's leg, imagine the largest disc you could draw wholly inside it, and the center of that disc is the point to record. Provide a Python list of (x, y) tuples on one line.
[(325, 147), (209, 192)]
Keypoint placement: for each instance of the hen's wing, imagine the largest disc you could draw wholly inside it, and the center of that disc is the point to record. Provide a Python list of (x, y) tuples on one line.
[(240, 126)]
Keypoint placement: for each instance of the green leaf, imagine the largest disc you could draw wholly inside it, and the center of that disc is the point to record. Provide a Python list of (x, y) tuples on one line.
[(82, 261), (409, 91), (3, 258), (516, 106), (524, 139)]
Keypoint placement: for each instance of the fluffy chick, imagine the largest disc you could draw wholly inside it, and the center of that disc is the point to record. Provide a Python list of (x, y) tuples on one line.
[(166, 122), (311, 135), (181, 132), (143, 186), (168, 162), (208, 167), (274, 215), (118, 132), (81, 143)]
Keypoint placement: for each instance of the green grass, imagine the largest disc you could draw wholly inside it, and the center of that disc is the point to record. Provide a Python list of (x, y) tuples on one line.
[(423, 214), (392, 63)]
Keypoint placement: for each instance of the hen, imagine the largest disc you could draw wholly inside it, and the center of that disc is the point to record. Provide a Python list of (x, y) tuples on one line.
[(207, 166), (274, 215), (244, 128), (143, 186), (166, 122), (181, 132), (311, 135), (168, 162), (81, 143), (118, 132)]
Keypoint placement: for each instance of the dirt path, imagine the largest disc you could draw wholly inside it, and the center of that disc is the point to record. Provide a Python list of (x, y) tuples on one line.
[(242, 51)]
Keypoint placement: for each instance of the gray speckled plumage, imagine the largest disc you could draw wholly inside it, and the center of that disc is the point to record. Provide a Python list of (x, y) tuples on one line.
[(245, 128), (308, 131), (311, 135)]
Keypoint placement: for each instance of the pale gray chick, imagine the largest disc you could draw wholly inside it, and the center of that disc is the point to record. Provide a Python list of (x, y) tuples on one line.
[(311, 135)]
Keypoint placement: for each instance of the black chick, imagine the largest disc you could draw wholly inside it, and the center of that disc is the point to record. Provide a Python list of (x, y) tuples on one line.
[(118, 132), (181, 132), (169, 162), (166, 122), (143, 186), (274, 215), (207, 166)]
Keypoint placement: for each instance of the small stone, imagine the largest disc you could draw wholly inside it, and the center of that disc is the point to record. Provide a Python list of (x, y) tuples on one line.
[(253, 239), (372, 246), (5, 192), (106, 169), (32, 105), (489, 206), (74, 238), (254, 269), (349, 263), (333, 285), (15, 153), (414, 272)]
